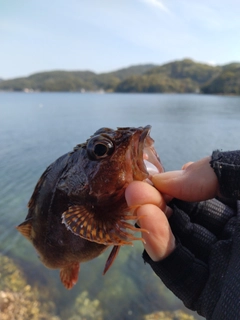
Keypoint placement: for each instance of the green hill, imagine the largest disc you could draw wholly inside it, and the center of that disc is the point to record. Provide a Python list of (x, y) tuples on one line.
[(156, 83), (187, 69), (58, 81), (72, 80), (228, 82), (177, 76), (124, 73), (231, 66), (183, 76)]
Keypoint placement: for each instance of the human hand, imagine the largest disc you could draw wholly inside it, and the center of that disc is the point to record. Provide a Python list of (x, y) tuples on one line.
[(153, 213), (195, 182)]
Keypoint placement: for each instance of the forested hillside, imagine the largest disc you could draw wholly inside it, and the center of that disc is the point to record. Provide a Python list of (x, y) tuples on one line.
[(73, 80), (228, 81), (185, 76)]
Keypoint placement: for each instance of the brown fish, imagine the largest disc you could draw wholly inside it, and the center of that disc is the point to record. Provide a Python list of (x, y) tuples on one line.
[(78, 207)]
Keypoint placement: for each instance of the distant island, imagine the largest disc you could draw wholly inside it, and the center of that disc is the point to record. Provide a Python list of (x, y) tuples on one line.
[(185, 76)]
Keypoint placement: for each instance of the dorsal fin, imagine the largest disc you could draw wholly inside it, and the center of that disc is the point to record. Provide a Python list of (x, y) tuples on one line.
[(25, 228)]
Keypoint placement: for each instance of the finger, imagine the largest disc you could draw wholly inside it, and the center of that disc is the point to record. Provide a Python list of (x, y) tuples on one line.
[(196, 183), (159, 242), (168, 212), (186, 165), (139, 193), (167, 198), (170, 183)]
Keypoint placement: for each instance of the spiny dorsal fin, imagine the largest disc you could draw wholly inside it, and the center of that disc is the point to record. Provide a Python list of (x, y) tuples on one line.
[(25, 228)]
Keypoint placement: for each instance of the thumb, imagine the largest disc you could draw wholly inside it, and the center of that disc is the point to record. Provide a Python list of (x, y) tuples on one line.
[(197, 182)]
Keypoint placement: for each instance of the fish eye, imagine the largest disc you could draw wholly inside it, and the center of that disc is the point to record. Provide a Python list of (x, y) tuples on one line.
[(99, 147)]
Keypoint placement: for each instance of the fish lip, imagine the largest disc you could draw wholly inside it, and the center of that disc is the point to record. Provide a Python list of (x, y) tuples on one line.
[(147, 152)]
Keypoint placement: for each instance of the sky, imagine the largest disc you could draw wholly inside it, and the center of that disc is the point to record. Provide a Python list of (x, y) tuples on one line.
[(107, 35)]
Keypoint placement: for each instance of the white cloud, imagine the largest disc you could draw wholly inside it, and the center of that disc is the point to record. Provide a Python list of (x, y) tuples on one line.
[(156, 3)]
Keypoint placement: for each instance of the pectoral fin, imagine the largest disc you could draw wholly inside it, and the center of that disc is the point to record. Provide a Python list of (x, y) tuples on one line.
[(84, 223)]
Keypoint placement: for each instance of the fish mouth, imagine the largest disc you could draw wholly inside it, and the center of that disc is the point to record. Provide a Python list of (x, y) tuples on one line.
[(148, 160)]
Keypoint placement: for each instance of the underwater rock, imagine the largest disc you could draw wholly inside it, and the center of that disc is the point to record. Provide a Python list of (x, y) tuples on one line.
[(119, 289), (22, 306), (19, 300), (167, 315), (85, 309), (11, 277)]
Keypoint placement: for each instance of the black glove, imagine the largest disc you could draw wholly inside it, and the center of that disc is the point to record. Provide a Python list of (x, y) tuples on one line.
[(226, 165), (204, 269)]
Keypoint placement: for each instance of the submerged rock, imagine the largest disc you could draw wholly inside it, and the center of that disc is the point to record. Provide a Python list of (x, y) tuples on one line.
[(167, 315), (19, 300), (11, 277), (85, 309), (22, 306)]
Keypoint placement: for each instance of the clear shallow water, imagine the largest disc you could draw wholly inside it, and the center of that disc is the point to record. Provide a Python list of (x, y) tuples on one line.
[(37, 128)]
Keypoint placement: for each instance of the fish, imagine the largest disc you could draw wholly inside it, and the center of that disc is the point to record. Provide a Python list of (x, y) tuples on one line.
[(78, 208)]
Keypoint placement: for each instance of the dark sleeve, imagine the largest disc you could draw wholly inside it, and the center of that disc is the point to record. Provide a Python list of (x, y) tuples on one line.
[(226, 165), (197, 271), (182, 273)]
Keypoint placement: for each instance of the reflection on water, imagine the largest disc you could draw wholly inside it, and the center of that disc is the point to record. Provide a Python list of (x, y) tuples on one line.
[(35, 129)]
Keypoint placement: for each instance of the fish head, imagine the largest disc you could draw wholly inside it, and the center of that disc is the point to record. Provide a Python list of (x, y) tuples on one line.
[(110, 160), (118, 157)]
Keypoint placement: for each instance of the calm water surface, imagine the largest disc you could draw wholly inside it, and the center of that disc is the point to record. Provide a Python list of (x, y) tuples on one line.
[(37, 128)]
